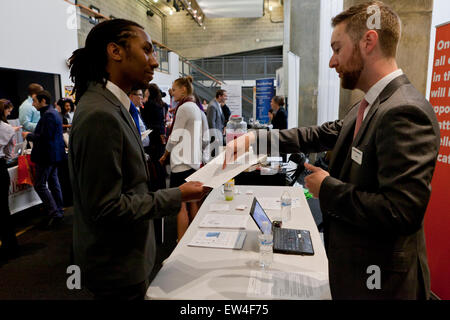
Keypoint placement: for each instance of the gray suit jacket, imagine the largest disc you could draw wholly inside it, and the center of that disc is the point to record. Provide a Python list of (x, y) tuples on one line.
[(373, 212), (113, 235), (216, 118)]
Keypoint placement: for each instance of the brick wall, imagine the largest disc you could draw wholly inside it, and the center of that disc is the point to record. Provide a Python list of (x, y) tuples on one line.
[(223, 35), (126, 9)]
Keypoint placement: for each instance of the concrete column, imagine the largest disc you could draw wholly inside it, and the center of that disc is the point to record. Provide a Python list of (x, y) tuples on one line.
[(413, 50), (302, 35)]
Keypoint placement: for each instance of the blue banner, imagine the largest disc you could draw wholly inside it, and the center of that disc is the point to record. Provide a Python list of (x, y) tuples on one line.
[(265, 91)]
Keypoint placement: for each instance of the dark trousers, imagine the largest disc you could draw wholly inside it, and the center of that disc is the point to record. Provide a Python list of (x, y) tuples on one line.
[(7, 233), (130, 293), (52, 196)]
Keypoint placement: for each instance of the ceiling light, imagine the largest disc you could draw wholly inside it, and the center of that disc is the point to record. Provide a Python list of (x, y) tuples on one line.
[(270, 8), (171, 12), (155, 1)]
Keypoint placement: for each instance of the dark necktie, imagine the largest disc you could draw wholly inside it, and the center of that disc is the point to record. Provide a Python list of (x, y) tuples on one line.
[(359, 119), (135, 115)]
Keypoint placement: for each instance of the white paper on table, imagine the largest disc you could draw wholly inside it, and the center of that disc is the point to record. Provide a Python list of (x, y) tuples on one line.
[(213, 175), (224, 221), (284, 285), (270, 203), (296, 203), (219, 207), (218, 239), (145, 134)]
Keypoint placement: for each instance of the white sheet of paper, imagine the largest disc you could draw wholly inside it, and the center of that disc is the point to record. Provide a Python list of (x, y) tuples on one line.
[(283, 285), (218, 239), (145, 134), (219, 207), (227, 221), (213, 175), (270, 203), (296, 203)]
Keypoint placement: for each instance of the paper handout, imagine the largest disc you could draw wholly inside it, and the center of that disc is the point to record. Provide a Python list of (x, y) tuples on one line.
[(213, 175), (218, 239), (226, 221), (145, 134)]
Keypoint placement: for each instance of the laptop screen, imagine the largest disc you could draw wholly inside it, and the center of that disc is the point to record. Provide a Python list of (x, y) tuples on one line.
[(258, 214)]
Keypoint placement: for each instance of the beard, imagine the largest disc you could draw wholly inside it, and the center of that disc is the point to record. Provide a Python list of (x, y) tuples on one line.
[(351, 78)]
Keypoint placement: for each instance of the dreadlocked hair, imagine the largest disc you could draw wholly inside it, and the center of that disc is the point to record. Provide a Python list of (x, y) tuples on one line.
[(88, 64)]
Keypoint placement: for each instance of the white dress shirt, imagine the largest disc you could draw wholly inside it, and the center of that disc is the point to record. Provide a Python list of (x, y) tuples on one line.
[(378, 87), (121, 96)]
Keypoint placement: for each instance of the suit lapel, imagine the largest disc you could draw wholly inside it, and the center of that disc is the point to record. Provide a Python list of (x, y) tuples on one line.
[(339, 148), (384, 95), (125, 114)]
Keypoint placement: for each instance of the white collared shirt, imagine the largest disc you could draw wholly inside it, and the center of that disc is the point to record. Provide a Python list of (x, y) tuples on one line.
[(378, 87), (120, 95)]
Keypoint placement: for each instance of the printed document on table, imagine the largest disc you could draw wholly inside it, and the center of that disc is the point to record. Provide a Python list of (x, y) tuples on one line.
[(227, 221), (213, 175), (284, 285), (219, 239)]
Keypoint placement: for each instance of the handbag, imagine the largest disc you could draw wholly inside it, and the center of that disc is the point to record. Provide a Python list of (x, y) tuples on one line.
[(26, 170)]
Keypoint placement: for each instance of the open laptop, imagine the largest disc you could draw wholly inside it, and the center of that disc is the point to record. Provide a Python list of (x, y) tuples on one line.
[(291, 241)]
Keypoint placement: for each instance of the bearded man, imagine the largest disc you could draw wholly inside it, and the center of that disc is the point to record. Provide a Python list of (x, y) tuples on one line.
[(376, 192)]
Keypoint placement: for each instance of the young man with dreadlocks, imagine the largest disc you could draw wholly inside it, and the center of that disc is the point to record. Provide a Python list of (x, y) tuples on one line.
[(114, 242)]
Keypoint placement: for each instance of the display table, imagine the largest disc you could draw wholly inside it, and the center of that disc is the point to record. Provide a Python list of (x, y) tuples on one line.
[(207, 273)]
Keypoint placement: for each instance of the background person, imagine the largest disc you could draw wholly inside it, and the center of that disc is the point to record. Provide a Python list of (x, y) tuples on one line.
[(188, 132), (48, 151), (216, 118), (279, 116), (154, 114), (28, 115), (9, 247), (137, 98)]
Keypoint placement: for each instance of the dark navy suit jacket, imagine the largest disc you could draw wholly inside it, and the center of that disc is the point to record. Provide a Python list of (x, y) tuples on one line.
[(47, 138)]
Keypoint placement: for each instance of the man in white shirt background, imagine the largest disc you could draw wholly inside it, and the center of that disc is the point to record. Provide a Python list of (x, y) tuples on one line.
[(28, 115)]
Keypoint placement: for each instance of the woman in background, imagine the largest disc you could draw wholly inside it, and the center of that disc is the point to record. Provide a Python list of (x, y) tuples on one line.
[(153, 114), (9, 246), (278, 115), (187, 138)]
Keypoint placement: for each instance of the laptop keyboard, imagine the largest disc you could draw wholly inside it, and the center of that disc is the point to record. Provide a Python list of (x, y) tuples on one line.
[(287, 239)]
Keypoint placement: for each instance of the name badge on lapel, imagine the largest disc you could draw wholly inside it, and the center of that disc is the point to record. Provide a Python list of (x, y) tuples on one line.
[(357, 155)]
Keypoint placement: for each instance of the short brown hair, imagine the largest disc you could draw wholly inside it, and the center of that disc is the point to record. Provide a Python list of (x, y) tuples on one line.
[(4, 104), (356, 18), (187, 83), (220, 93), (278, 100), (44, 95), (34, 88)]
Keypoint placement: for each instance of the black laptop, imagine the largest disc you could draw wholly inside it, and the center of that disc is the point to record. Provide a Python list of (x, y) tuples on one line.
[(290, 241)]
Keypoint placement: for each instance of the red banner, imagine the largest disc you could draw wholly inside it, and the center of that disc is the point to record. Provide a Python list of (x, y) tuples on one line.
[(437, 218)]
